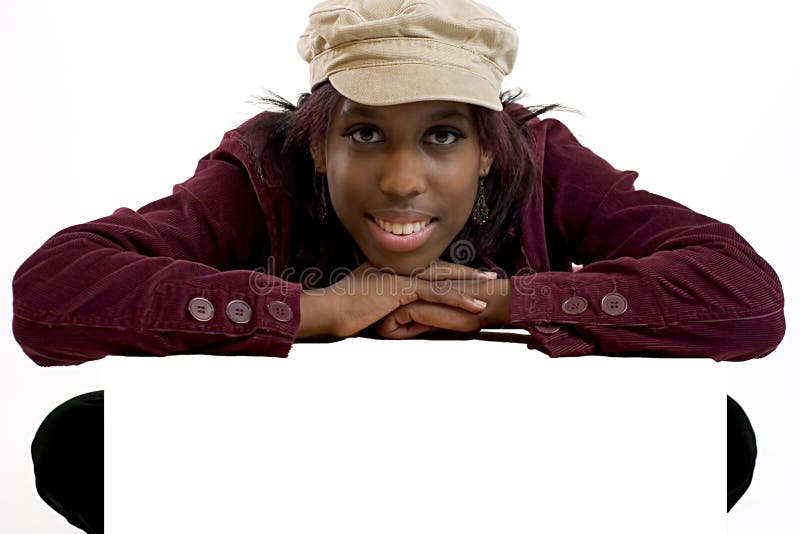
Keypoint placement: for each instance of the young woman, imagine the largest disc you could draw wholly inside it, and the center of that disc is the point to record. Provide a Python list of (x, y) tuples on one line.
[(404, 195)]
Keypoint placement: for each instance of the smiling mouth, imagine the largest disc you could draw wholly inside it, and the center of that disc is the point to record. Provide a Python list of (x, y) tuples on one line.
[(401, 228), (412, 235)]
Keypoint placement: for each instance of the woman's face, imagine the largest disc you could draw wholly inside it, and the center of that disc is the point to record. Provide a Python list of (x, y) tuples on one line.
[(402, 179)]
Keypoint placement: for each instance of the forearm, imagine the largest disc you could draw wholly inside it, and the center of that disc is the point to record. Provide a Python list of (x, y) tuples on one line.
[(636, 307), (497, 295), (164, 307), (315, 314)]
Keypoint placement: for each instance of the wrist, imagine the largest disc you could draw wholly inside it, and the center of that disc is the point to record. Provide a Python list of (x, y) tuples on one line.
[(499, 303), (315, 315)]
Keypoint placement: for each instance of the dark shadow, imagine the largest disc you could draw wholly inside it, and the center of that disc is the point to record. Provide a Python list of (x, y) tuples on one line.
[(494, 335), (742, 452), (369, 333)]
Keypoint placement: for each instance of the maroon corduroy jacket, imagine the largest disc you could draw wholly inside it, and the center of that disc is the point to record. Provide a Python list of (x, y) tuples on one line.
[(199, 271)]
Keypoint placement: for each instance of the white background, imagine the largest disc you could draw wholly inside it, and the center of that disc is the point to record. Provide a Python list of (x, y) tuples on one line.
[(109, 104)]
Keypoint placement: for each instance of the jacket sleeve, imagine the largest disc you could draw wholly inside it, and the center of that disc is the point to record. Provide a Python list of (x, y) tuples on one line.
[(658, 279), (124, 284)]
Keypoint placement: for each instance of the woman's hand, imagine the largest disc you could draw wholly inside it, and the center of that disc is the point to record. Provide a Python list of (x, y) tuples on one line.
[(421, 316), (368, 294)]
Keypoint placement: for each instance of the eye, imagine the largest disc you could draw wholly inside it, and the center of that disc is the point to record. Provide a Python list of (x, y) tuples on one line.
[(438, 133), (368, 138), (365, 139)]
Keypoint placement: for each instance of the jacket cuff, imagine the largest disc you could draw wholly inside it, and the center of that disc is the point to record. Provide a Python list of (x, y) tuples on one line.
[(255, 312), (620, 299), (548, 304)]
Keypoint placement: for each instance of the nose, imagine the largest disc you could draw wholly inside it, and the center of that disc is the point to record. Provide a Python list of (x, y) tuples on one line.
[(404, 175)]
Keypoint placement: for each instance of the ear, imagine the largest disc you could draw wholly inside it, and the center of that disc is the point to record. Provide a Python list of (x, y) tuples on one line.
[(487, 158), (319, 159)]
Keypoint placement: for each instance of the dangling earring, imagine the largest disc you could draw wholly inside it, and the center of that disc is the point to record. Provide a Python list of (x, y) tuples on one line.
[(480, 213), (323, 205)]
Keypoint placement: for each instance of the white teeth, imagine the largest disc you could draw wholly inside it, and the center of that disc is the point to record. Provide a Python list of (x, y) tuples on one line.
[(402, 228)]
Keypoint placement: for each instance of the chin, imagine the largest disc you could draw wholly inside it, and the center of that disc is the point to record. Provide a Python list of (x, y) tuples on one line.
[(409, 265)]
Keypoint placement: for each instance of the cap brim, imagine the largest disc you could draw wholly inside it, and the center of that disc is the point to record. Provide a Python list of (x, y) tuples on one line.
[(387, 85)]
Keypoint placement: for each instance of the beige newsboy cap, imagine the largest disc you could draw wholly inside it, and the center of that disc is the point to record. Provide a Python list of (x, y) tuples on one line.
[(386, 52)]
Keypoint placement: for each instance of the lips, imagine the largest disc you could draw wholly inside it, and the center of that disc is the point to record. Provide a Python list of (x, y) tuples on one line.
[(401, 216), (398, 228), (415, 234)]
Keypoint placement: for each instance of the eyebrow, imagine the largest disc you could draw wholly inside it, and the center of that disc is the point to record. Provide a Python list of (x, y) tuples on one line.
[(440, 114)]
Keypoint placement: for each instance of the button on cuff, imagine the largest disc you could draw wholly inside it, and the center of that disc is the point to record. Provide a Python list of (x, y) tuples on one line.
[(574, 305), (613, 304), (239, 311), (201, 309), (547, 328), (280, 311)]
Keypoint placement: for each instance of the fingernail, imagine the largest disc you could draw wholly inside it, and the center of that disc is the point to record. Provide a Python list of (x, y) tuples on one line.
[(487, 274), (478, 303)]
